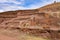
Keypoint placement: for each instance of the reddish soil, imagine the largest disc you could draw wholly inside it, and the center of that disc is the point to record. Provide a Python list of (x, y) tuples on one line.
[(4, 37)]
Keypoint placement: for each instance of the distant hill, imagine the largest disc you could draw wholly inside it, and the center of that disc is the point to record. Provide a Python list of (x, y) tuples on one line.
[(44, 21), (32, 17), (51, 7)]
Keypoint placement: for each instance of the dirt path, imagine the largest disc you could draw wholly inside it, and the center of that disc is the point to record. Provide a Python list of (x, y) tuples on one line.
[(3, 37)]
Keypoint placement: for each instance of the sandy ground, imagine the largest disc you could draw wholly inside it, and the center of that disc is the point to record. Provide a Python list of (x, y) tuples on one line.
[(4, 37), (11, 35)]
